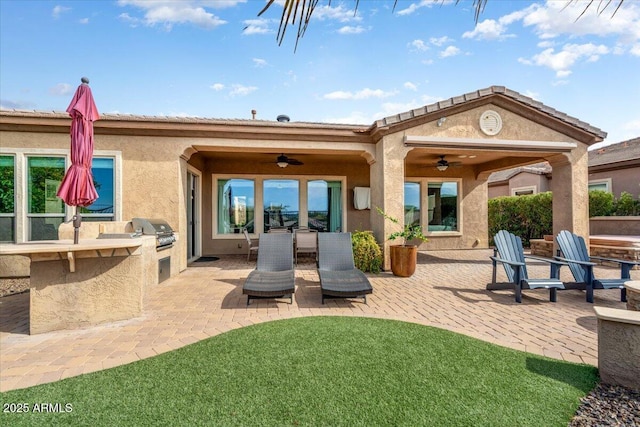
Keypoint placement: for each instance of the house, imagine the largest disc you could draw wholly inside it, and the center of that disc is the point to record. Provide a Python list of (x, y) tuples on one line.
[(520, 181), (209, 178), (614, 168)]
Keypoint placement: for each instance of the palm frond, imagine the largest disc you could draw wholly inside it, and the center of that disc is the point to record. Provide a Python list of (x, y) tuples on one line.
[(299, 12)]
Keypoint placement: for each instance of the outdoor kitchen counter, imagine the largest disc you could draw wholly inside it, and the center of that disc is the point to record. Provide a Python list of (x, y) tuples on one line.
[(92, 282)]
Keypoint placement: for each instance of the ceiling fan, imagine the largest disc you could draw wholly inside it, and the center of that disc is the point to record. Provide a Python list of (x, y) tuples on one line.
[(284, 161), (442, 164)]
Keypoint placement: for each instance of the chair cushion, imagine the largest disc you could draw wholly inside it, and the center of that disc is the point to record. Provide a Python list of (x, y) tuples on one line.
[(344, 283), (269, 283)]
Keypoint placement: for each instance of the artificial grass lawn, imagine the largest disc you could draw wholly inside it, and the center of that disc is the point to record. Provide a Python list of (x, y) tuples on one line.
[(321, 371)]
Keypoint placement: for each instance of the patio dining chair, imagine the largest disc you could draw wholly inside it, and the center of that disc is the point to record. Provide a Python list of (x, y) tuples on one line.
[(273, 276), (251, 247), (509, 252), (339, 278), (306, 242), (573, 250), (279, 230)]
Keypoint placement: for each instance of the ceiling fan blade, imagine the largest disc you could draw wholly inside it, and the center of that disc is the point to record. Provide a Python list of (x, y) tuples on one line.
[(295, 162)]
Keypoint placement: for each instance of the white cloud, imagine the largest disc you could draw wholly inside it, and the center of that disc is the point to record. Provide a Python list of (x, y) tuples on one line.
[(440, 41), (126, 18), (167, 13), (532, 95), (422, 3), (393, 108), (488, 29), (241, 90), (410, 86), (419, 44), (256, 26), (217, 87), (450, 51), (362, 94), (84, 21), (563, 60), (61, 89), (220, 4), (347, 29), (59, 10), (556, 18), (427, 61), (335, 13), (259, 63)]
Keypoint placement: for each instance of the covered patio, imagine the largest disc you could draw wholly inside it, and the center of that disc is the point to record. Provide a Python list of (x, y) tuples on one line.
[(447, 291)]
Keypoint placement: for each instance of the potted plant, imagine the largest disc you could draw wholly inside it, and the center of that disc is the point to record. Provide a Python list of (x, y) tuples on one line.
[(404, 257)]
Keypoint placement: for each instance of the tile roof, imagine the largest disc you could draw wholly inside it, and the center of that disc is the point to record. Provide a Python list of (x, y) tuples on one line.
[(487, 92), (615, 153), (504, 175)]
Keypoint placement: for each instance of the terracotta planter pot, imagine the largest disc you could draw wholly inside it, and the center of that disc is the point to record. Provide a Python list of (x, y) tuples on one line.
[(403, 259)]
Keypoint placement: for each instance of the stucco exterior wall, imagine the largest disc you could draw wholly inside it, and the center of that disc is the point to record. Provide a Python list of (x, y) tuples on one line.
[(467, 125), (354, 168), (621, 180), (523, 179), (154, 168)]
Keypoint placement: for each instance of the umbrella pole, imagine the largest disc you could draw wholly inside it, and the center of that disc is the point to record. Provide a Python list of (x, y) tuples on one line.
[(77, 221)]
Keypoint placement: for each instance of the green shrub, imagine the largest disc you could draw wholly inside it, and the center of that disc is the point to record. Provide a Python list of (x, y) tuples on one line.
[(626, 205), (367, 254), (600, 203), (530, 217)]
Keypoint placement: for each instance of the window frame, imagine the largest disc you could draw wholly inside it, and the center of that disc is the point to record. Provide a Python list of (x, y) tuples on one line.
[(21, 207), (303, 217), (606, 181), (15, 199), (424, 202), (532, 188)]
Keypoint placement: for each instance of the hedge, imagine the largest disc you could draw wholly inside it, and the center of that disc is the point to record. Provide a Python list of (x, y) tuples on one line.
[(531, 216)]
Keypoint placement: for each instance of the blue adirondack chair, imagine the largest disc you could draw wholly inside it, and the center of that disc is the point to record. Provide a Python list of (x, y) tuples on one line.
[(509, 252), (573, 251)]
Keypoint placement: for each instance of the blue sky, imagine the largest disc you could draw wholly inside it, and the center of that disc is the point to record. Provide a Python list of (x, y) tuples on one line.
[(217, 58)]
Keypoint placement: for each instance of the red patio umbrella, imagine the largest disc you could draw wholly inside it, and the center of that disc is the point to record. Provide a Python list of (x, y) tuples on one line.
[(77, 187)]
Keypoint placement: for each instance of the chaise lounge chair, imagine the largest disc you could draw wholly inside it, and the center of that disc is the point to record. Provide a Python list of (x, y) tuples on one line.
[(573, 251), (510, 254), (339, 278), (274, 276)]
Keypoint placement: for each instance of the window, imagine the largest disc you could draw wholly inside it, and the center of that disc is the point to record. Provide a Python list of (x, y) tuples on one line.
[(7, 199), (281, 203), (236, 205), (442, 201), (443, 206), (412, 203), (289, 202), (29, 181), (45, 210), (600, 184), (324, 205), (103, 172), (523, 191)]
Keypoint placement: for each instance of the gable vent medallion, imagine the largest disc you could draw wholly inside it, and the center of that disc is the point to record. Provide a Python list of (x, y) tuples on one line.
[(490, 122)]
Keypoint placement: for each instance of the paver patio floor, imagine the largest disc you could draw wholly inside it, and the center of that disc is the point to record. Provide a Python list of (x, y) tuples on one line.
[(447, 291)]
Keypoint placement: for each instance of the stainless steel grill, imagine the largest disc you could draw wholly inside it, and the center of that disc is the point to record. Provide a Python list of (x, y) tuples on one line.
[(155, 227)]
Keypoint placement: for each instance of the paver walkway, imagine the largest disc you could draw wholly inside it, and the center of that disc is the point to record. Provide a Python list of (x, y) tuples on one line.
[(447, 291)]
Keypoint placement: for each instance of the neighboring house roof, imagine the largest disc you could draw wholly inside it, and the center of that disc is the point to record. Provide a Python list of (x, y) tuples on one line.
[(505, 175), (615, 154), (488, 92)]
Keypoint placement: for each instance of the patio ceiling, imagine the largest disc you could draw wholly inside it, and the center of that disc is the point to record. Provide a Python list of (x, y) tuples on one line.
[(482, 154)]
